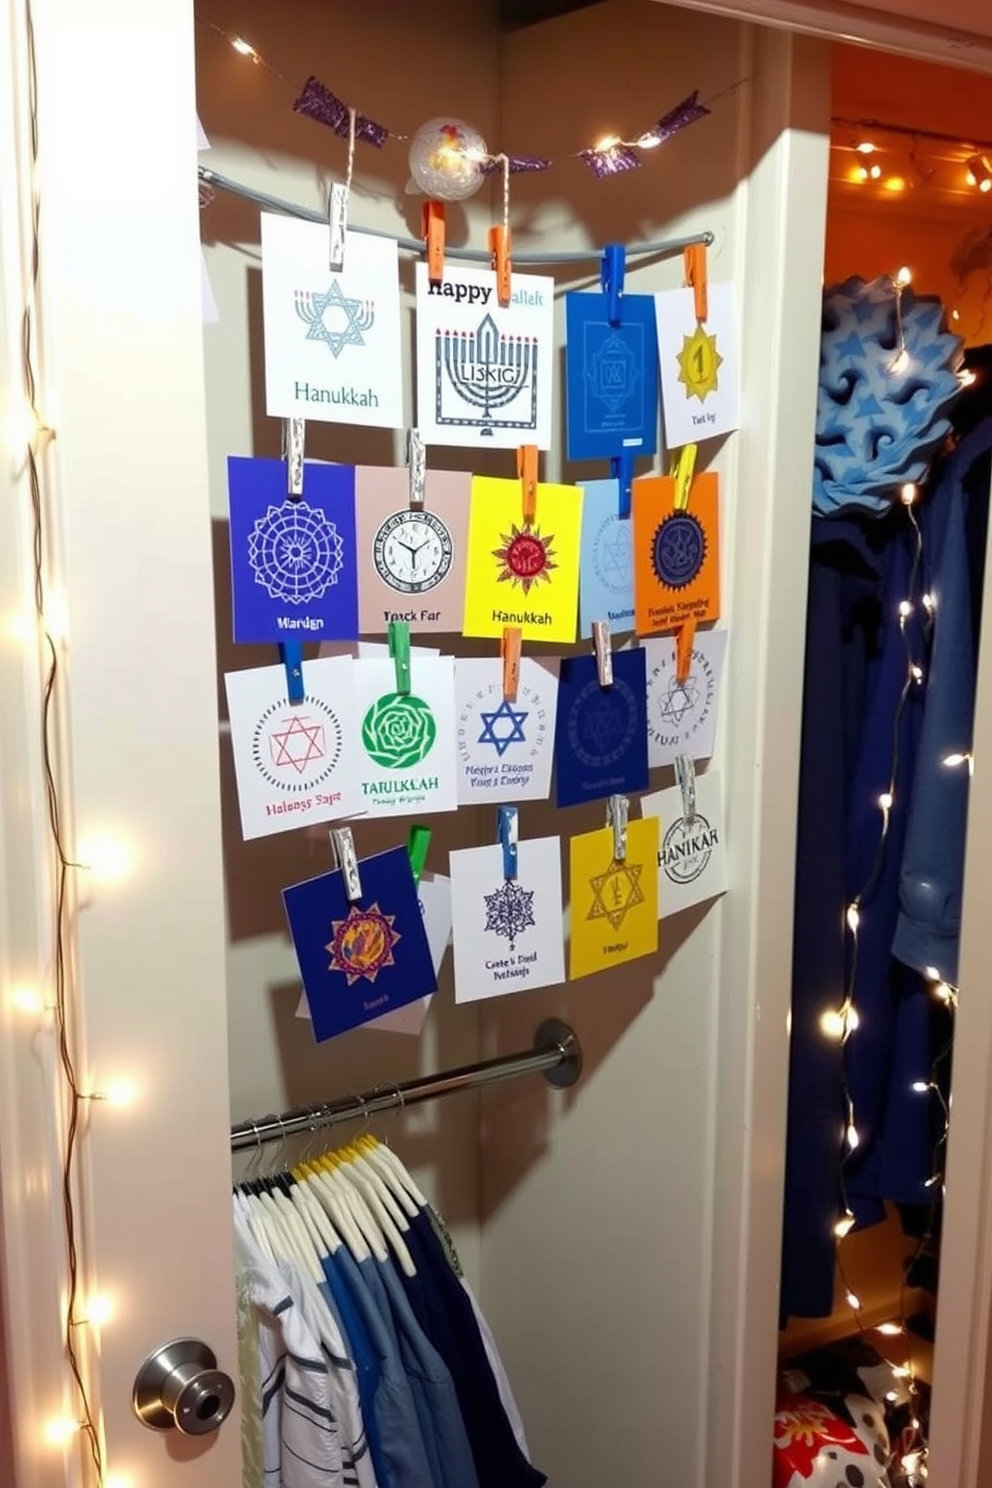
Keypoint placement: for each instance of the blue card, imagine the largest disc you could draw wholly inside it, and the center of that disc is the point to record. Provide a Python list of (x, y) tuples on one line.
[(294, 565), (606, 560), (359, 961), (601, 741), (611, 377)]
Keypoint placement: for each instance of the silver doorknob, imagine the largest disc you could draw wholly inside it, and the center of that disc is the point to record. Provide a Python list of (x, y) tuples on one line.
[(180, 1388)]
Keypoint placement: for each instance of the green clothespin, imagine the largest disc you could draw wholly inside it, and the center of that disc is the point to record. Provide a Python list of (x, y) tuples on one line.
[(417, 844), (399, 650)]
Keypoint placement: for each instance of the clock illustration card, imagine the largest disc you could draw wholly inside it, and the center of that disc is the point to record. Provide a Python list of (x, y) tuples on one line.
[(522, 573), (294, 569), (699, 372), (614, 908), (505, 747), (682, 716), (507, 931), (295, 764), (407, 739), (606, 565), (692, 854), (411, 559), (676, 553), (601, 740), (611, 377), (358, 961)]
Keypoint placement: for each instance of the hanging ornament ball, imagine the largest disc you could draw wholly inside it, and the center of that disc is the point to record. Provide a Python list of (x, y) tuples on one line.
[(445, 156)]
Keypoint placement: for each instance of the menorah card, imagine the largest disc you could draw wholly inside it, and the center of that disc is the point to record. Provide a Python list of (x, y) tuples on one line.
[(698, 365), (484, 373), (412, 564), (601, 735), (606, 568), (676, 553), (507, 931), (614, 908), (522, 573), (611, 377), (332, 337)]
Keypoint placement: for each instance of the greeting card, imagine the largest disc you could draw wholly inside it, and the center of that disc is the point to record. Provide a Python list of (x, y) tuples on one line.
[(601, 741), (682, 715), (505, 748), (407, 762), (434, 894), (412, 558), (522, 573), (611, 377), (606, 564), (507, 931), (699, 372), (614, 911), (676, 553), (692, 855)]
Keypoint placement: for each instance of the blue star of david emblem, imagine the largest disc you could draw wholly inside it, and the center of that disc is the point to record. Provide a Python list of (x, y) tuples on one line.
[(334, 318), (502, 716)]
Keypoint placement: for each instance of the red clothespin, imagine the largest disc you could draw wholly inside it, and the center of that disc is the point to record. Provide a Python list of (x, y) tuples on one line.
[(696, 277), (434, 238), (509, 650), (499, 248), (527, 471)]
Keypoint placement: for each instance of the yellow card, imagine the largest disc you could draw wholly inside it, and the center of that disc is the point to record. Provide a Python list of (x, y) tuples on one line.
[(614, 905), (519, 573)]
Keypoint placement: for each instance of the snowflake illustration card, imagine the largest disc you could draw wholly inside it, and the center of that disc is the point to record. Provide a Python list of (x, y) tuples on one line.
[(611, 377), (507, 931), (692, 855), (522, 573), (358, 961), (676, 553), (484, 372), (332, 337), (407, 740), (295, 764), (699, 370), (601, 739), (412, 559), (505, 749), (606, 564), (614, 908), (294, 568), (682, 715)]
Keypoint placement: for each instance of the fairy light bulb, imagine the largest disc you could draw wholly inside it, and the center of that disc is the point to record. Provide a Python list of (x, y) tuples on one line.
[(889, 1330), (844, 1225), (909, 493), (875, 172), (58, 1431), (901, 1371), (854, 1301), (244, 47), (853, 1140), (853, 918), (832, 1024), (885, 801), (26, 1000), (106, 858), (967, 378), (952, 761), (852, 1021), (865, 148), (904, 277), (920, 1087), (608, 142), (916, 672), (900, 361), (119, 1092), (929, 603)]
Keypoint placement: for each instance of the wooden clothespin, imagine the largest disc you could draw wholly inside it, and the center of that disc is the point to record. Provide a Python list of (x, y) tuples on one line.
[(509, 650), (527, 471), (416, 455), (604, 652), (508, 829), (293, 439), (499, 248), (617, 815), (291, 653), (399, 650), (695, 259), (434, 240), (346, 858)]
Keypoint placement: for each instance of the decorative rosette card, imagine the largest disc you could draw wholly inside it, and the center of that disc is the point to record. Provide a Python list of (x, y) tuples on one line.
[(294, 563), (601, 741), (698, 364), (507, 931), (614, 904), (676, 553), (692, 855), (295, 764), (682, 714), (505, 748), (611, 377), (362, 959), (606, 566), (412, 564), (523, 573), (407, 739)]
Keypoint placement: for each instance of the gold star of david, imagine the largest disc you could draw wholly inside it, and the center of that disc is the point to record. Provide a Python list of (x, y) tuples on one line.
[(615, 892)]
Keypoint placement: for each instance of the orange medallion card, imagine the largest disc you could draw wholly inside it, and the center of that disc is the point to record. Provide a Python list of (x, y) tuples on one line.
[(676, 553)]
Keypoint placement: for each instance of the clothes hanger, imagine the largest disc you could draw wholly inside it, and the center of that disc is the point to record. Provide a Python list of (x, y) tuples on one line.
[(318, 1184), (352, 1172), (388, 1160)]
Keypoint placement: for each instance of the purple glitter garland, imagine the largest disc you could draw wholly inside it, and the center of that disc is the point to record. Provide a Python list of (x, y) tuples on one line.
[(518, 163), (611, 162), (685, 113), (317, 102)]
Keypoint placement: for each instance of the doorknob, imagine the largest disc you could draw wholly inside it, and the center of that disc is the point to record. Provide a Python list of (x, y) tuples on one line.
[(180, 1388)]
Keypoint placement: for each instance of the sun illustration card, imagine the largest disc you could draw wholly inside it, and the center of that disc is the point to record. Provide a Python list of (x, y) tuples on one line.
[(522, 573), (505, 746), (407, 739), (507, 931), (611, 377), (295, 764), (601, 739), (692, 853), (682, 714), (676, 553), (332, 337), (294, 568), (411, 558), (606, 566), (614, 907), (699, 372), (358, 961)]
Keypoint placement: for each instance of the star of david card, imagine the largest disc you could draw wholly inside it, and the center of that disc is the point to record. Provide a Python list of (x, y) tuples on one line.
[(611, 377), (606, 565), (507, 931), (601, 739), (407, 740), (332, 337), (505, 749), (358, 961), (682, 715), (295, 764), (699, 370), (294, 569), (484, 372), (692, 855), (614, 910), (520, 573), (676, 553), (412, 559)]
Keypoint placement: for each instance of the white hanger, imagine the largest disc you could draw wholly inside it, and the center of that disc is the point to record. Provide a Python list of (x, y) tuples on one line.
[(388, 1162), (365, 1189), (329, 1199), (304, 1241), (360, 1214), (316, 1219)]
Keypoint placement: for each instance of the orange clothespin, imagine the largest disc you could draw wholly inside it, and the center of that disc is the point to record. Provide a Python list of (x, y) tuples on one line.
[(696, 277), (499, 248), (434, 238), (509, 650), (527, 471), (685, 639)]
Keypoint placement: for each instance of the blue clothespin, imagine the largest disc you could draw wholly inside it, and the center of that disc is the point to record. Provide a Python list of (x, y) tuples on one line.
[(611, 276), (622, 471), (507, 824), (292, 659)]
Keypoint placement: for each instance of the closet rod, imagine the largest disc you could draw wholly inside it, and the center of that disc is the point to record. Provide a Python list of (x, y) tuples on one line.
[(556, 1054), (662, 247)]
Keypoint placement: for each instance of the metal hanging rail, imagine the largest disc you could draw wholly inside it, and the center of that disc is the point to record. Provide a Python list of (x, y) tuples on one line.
[(556, 1055)]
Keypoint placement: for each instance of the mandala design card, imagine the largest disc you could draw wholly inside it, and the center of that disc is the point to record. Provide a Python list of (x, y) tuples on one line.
[(358, 961), (601, 741), (294, 567), (611, 377), (698, 365), (520, 573), (676, 553), (692, 855), (507, 931), (484, 372), (412, 559), (606, 565), (295, 764), (332, 337), (407, 740), (505, 749), (614, 914), (682, 715)]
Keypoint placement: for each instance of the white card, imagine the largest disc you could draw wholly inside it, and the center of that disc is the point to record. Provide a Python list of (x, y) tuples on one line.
[(332, 338), (507, 932), (407, 743), (295, 765), (692, 856), (505, 750), (484, 374), (682, 715), (699, 372)]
